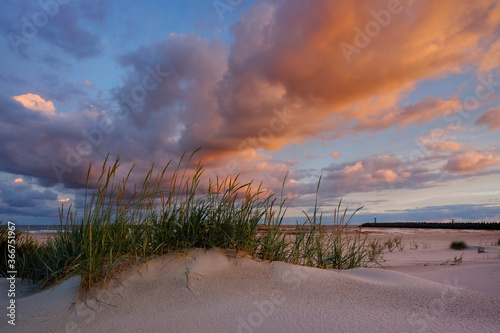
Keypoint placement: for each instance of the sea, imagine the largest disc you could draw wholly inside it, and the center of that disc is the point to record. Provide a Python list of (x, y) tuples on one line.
[(43, 229)]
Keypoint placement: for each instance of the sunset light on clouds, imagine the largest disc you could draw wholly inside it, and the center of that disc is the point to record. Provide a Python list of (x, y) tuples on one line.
[(36, 103), (395, 104)]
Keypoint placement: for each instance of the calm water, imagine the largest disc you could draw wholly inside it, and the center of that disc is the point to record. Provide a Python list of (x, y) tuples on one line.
[(37, 229)]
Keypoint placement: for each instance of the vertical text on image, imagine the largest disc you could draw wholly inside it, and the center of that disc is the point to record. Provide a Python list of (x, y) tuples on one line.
[(11, 272)]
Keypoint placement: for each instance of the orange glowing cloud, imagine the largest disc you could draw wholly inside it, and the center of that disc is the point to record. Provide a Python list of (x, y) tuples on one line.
[(268, 167), (296, 52), (491, 58), (18, 180), (387, 175), (490, 118), (36, 103), (335, 154), (470, 162), (435, 141), (374, 172), (423, 111), (353, 168)]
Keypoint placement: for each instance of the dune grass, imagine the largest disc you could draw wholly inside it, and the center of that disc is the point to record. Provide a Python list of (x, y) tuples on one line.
[(458, 245), (122, 225)]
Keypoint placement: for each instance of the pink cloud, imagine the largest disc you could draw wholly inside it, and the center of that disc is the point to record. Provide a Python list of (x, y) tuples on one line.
[(375, 173), (436, 141), (470, 162), (36, 103), (291, 47), (286, 69), (490, 118)]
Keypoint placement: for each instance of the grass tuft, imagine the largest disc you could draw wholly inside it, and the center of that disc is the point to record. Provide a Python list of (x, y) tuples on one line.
[(458, 245)]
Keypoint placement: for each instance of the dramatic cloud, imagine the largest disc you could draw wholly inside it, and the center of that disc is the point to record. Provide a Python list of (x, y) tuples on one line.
[(18, 199), (286, 68), (60, 148), (36, 103), (288, 72), (470, 162), (292, 49), (170, 93), (490, 118)]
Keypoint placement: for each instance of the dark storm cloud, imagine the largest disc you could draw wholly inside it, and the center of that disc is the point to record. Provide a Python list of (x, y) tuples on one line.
[(22, 195), (168, 93), (21, 200), (32, 142)]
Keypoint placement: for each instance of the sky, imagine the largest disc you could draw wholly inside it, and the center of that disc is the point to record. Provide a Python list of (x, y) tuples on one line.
[(394, 105)]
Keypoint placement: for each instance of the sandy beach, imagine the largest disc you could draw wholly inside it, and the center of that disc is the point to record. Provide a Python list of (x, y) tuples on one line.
[(426, 287)]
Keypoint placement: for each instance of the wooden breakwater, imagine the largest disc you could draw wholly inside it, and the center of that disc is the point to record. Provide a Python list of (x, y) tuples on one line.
[(436, 225)]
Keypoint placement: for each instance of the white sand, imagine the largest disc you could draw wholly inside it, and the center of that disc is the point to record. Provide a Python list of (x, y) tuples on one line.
[(225, 294)]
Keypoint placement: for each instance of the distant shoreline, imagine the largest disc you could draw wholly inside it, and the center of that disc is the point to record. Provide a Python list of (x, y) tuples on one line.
[(435, 225), (52, 228)]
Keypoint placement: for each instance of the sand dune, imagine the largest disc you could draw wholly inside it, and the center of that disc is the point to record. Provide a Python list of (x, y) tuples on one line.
[(213, 292)]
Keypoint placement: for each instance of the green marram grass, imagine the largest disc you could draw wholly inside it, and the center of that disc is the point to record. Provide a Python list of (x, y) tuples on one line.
[(122, 225), (458, 245)]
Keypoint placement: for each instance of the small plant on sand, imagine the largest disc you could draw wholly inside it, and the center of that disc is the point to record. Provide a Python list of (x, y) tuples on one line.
[(480, 249), (458, 245), (458, 260), (187, 277), (498, 242), (390, 245), (375, 249), (394, 243), (399, 244), (413, 245)]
